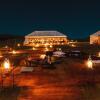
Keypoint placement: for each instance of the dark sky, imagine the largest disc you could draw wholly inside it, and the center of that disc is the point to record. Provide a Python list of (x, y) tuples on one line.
[(74, 18)]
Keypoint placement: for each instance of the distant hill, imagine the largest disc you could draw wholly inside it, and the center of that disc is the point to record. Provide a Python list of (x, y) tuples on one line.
[(10, 36), (87, 39)]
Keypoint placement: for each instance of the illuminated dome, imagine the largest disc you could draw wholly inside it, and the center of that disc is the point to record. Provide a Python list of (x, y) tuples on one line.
[(95, 38), (45, 38), (46, 33)]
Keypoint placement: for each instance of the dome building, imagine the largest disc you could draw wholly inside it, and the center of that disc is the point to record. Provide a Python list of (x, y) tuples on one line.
[(42, 38), (95, 38)]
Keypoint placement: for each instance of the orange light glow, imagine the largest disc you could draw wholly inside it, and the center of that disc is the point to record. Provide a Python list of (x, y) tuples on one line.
[(14, 52), (43, 56), (46, 49), (89, 64), (33, 48), (73, 45), (18, 45), (37, 45), (99, 54), (6, 64), (51, 46)]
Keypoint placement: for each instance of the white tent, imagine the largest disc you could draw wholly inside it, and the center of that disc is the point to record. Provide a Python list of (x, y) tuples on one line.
[(95, 38), (45, 37)]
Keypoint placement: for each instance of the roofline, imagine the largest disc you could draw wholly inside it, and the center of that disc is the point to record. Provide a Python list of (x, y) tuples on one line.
[(94, 35), (44, 36)]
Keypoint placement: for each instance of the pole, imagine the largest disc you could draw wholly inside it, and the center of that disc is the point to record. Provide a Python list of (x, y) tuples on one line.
[(1, 72), (1, 78), (13, 76)]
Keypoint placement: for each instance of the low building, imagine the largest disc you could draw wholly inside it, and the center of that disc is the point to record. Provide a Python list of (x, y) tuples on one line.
[(95, 38), (41, 38)]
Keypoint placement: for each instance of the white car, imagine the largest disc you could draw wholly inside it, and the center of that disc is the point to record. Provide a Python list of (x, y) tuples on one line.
[(59, 54)]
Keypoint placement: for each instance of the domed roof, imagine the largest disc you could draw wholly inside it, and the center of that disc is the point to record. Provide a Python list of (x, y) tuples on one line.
[(96, 34), (46, 33)]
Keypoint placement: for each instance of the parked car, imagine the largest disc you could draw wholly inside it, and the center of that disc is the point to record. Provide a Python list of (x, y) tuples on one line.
[(59, 54), (95, 60), (76, 54)]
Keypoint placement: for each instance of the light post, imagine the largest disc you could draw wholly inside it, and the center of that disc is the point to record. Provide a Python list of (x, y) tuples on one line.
[(98, 54), (1, 78), (4, 68), (13, 52), (90, 63), (13, 76), (90, 71)]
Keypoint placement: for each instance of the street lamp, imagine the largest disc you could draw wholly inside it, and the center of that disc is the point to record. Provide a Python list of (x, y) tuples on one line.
[(90, 63), (14, 52), (91, 73), (98, 54), (18, 45), (4, 68), (42, 56), (6, 64)]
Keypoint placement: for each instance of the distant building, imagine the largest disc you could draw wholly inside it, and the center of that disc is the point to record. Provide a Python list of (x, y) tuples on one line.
[(41, 38), (95, 38)]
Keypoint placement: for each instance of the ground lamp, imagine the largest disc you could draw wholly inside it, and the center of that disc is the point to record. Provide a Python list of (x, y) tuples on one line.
[(5, 68), (13, 52), (90, 63), (18, 45), (90, 71), (42, 56), (98, 54)]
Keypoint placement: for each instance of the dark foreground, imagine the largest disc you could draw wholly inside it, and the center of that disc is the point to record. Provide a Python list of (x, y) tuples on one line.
[(69, 80)]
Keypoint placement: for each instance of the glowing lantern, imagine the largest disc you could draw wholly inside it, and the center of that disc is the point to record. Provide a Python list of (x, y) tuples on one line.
[(6, 46), (33, 48), (51, 46), (43, 56), (89, 63), (46, 49), (6, 64), (73, 45), (13, 52), (46, 44), (18, 45), (37, 45), (99, 54)]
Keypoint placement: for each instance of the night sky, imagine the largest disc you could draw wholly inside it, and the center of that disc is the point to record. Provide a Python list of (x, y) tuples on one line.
[(76, 19)]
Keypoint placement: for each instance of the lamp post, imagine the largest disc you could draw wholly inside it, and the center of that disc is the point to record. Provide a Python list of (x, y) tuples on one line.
[(13, 52), (5, 67), (1, 78), (90, 71), (90, 63), (13, 76)]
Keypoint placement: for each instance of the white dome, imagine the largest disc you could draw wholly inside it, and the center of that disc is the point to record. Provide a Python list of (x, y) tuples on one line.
[(46, 33)]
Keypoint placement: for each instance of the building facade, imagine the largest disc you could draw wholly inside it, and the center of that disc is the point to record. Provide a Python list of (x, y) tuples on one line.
[(41, 38), (95, 38)]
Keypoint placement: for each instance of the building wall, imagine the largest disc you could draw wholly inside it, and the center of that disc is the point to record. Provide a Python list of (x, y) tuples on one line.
[(94, 39), (31, 41)]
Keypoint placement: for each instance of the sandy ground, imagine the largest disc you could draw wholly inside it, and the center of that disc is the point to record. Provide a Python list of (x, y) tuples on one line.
[(69, 80)]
